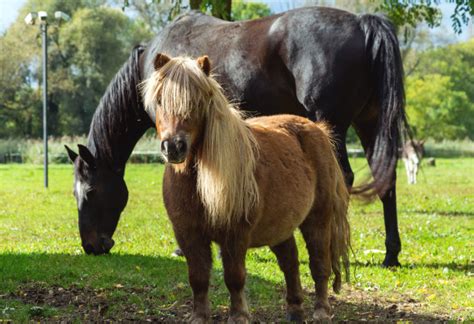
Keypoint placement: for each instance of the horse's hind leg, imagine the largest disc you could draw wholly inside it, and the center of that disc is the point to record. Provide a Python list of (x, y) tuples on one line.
[(233, 258), (316, 230), (287, 255), (393, 244)]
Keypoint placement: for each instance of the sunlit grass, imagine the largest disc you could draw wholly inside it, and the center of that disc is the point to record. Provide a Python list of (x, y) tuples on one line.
[(39, 248)]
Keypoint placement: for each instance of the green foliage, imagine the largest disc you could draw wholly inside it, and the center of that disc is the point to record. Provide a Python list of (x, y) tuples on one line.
[(95, 44), (440, 94), (40, 253), (455, 61), (414, 12), (153, 15), (435, 109), (217, 8), (83, 56), (243, 10)]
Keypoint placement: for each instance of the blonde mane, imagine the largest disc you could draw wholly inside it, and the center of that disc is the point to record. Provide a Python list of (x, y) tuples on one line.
[(226, 159)]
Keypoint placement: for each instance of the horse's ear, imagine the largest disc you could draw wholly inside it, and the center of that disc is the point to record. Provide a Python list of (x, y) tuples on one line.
[(205, 64), (72, 155), (160, 61), (86, 155)]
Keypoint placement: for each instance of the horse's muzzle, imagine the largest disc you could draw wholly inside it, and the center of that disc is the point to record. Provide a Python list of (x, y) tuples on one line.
[(103, 246)]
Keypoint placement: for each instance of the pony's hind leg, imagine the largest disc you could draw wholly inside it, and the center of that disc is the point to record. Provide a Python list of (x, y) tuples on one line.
[(233, 259), (316, 232), (287, 256)]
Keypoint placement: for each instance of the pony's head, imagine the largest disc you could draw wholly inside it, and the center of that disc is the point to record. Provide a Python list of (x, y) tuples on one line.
[(200, 129), (101, 195), (181, 94)]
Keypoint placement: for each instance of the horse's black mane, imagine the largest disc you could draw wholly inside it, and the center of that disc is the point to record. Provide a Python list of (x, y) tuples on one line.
[(119, 109)]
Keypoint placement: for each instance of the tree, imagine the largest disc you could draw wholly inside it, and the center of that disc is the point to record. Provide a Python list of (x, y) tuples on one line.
[(243, 10), (435, 109), (154, 15), (218, 8), (95, 44), (83, 56), (444, 79), (455, 61), (412, 12)]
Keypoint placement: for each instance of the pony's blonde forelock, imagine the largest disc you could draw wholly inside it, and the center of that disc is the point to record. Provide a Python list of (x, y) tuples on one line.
[(178, 88), (226, 161)]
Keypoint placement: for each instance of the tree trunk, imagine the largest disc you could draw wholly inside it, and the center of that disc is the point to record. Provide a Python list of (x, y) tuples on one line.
[(195, 4), (222, 9)]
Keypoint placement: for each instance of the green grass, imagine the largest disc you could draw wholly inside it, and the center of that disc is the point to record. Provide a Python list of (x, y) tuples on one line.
[(44, 274)]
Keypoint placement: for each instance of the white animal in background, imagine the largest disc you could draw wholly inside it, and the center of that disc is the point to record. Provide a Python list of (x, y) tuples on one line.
[(412, 153)]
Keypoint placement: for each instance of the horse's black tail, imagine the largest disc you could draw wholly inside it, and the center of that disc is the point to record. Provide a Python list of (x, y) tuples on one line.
[(387, 74)]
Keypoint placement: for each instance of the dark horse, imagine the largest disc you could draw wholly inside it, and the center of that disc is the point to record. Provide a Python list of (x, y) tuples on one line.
[(321, 63)]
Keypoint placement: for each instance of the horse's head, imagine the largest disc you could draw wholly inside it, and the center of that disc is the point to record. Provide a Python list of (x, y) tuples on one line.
[(419, 146), (180, 93), (101, 195)]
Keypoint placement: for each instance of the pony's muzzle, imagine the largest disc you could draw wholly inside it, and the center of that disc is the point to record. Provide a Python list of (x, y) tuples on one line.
[(174, 149)]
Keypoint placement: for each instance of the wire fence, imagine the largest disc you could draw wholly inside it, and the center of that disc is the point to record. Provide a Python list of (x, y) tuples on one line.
[(31, 151)]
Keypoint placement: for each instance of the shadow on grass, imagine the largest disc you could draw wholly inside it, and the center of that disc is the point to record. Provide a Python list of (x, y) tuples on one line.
[(441, 213), (133, 287), (466, 267)]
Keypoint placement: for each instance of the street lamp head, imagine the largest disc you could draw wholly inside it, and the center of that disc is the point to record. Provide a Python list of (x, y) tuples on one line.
[(61, 16), (43, 16), (31, 18)]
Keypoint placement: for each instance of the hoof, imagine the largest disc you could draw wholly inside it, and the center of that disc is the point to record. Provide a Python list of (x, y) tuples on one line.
[(321, 315), (297, 317), (197, 319), (391, 263), (239, 319), (391, 260)]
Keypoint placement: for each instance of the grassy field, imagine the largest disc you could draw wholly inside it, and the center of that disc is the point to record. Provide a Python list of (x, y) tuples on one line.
[(44, 274)]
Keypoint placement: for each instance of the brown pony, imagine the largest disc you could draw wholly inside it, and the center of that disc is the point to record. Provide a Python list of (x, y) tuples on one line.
[(243, 184)]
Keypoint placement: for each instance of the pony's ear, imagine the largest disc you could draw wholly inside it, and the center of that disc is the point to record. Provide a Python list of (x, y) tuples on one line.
[(72, 155), (205, 64), (86, 155), (160, 60)]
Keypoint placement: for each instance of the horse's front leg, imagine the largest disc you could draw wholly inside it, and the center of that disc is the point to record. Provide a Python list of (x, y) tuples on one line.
[(233, 258), (197, 251)]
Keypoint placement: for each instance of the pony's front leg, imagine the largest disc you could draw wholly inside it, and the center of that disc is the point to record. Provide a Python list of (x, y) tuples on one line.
[(233, 259), (197, 251)]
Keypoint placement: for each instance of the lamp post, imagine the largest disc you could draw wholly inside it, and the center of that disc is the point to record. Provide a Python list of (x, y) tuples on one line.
[(30, 19)]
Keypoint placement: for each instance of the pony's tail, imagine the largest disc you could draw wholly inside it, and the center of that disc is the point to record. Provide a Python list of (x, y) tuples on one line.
[(386, 66), (340, 231)]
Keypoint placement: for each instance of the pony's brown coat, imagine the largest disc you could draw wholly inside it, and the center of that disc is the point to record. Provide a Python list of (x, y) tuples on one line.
[(299, 183)]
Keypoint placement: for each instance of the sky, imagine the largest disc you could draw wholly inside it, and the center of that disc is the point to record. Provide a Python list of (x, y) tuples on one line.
[(9, 12)]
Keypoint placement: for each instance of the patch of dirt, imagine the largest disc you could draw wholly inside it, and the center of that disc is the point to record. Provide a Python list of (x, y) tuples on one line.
[(75, 303)]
